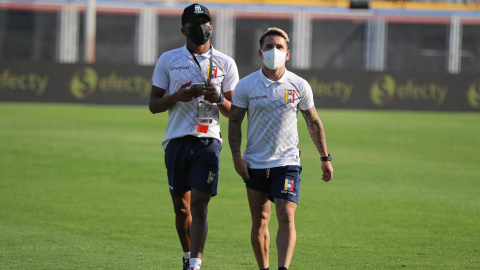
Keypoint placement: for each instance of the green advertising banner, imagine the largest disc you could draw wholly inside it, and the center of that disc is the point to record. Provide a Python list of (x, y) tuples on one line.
[(98, 84), (130, 84)]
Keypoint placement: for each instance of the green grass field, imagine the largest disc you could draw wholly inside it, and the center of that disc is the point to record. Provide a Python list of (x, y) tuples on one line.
[(84, 187)]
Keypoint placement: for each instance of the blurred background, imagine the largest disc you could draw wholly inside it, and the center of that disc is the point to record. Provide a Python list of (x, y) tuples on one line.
[(424, 36), (401, 39)]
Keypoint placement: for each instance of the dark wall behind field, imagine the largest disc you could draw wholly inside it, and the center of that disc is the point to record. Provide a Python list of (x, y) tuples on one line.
[(130, 84)]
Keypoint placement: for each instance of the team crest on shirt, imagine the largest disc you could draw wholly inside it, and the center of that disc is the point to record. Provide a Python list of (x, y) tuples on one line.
[(214, 71), (290, 96), (212, 178)]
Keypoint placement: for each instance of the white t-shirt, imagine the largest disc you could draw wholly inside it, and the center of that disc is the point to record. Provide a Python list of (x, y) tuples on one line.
[(272, 111), (177, 67)]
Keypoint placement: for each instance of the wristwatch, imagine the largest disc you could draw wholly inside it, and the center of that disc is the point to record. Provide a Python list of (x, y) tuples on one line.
[(327, 158), (222, 98)]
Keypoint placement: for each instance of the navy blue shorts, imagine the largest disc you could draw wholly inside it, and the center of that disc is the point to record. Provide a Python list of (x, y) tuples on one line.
[(280, 182), (193, 162)]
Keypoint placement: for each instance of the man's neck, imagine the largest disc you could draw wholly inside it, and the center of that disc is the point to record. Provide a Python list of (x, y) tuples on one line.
[(198, 49), (273, 75)]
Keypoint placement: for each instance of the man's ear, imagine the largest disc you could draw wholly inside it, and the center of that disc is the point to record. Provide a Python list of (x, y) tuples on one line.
[(184, 31), (260, 53), (288, 55)]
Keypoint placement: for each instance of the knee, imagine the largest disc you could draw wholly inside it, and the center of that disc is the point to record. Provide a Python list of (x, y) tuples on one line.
[(200, 209), (182, 210), (260, 219), (286, 216)]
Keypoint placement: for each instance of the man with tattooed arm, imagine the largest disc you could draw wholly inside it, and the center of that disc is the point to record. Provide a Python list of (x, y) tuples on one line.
[(270, 165)]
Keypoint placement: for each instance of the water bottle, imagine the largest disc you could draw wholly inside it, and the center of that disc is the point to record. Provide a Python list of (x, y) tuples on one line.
[(205, 115)]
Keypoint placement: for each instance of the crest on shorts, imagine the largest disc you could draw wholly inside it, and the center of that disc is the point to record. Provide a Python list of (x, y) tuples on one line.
[(289, 183), (212, 178)]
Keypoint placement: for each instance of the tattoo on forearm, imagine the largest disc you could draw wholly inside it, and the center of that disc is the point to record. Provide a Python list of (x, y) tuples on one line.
[(315, 128), (235, 129)]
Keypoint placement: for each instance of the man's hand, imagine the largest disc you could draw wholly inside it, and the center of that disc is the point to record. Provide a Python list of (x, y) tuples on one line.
[(241, 167), (210, 93), (186, 95), (327, 171)]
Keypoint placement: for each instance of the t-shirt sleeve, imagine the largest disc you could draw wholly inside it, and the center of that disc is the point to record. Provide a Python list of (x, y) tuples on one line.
[(161, 77), (231, 77), (307, 99), (240, 98)]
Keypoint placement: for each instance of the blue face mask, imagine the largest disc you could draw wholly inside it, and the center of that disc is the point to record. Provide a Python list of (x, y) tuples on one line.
[(199, 33)]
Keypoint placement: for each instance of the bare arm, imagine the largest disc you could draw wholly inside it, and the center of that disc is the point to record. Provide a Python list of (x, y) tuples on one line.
[(159, 103), (317, 133), (235, 129), (213, 96), (235, 139), (226, 105), (315, 128)]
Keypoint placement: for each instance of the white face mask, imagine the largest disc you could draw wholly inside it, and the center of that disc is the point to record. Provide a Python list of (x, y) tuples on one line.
[(274, 59)]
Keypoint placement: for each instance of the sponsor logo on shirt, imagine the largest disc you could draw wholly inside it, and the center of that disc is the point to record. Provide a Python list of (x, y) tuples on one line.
[(212, 178), (257, 97), (179, 68)]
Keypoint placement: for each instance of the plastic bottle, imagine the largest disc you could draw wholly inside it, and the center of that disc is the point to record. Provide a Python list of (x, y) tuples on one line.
[(205, 115)]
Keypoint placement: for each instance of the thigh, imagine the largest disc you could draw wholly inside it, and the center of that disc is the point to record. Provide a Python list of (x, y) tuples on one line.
[(181, 204), (259, 204), (200, 200), (175, 162), (286, 183), (285, 209)]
